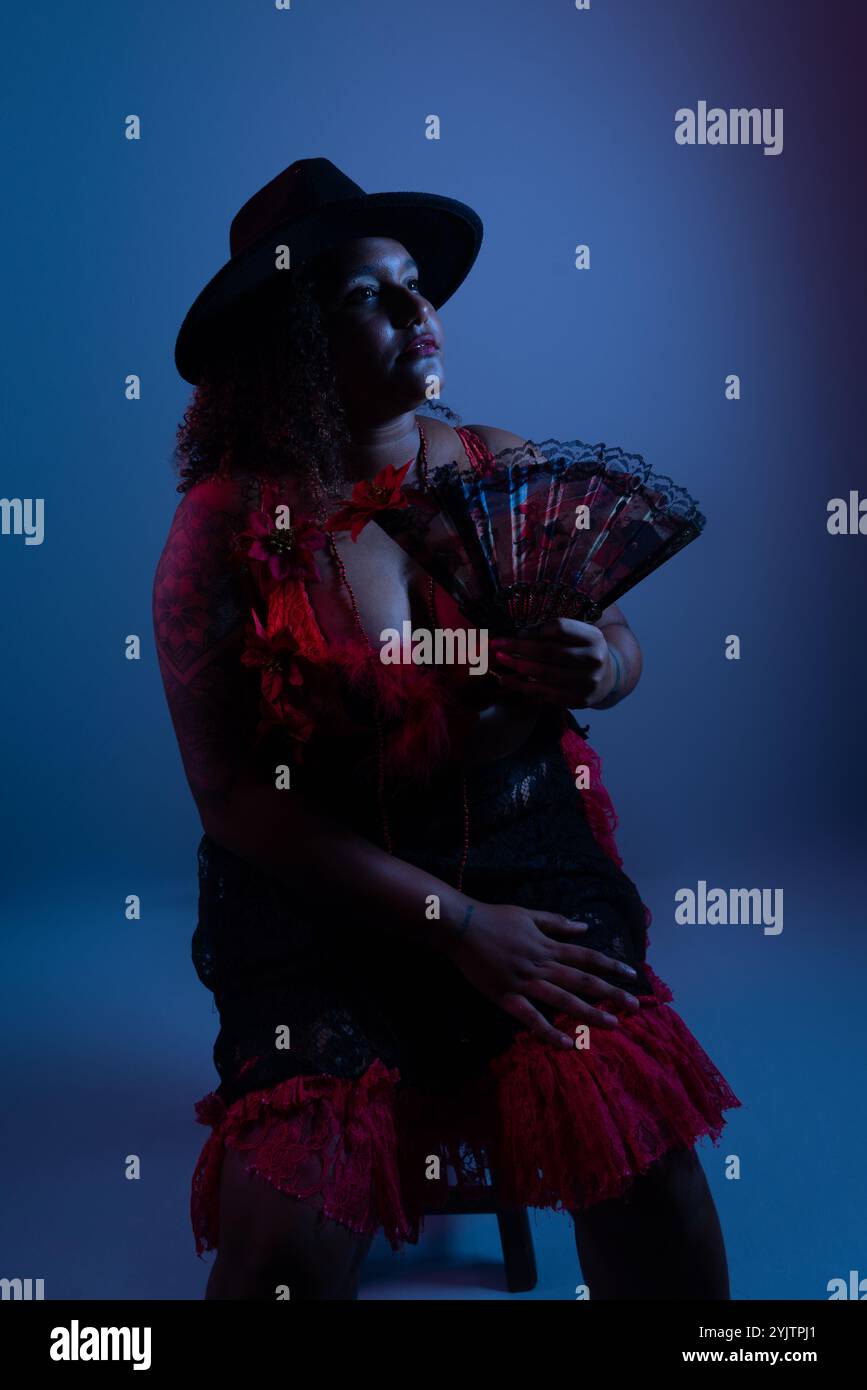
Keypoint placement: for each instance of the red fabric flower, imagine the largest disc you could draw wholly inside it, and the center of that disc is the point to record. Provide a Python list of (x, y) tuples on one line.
[(291, 722), (276, 654), (282, 552), (379, 494)]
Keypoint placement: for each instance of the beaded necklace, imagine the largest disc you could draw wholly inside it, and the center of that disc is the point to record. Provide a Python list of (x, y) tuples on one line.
[(422, 463)]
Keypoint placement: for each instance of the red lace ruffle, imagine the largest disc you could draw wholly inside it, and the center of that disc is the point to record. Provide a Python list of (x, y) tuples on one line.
[(598, 805), (312, 1137), (559, 1130)]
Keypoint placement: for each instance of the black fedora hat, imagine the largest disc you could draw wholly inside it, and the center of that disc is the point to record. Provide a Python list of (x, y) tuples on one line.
[(311, 207)]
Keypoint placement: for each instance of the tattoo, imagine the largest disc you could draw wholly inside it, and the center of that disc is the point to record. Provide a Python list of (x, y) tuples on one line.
[(199, 612), (471, 907), (618, 669)]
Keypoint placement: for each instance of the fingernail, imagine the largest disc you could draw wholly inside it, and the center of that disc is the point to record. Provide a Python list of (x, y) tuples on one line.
[(609, 1018), (566, 1042), (627, 970)]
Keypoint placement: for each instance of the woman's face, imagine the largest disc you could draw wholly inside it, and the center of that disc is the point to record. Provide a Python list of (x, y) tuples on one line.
[(374, 304)]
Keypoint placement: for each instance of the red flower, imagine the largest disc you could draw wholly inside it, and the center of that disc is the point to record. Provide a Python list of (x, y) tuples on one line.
[(382, 493), (291, 722), (276, 654), (282, 552)]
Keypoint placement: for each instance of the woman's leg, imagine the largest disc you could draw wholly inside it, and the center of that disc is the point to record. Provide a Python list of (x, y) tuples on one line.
[(662, 1239), (269, 1240)]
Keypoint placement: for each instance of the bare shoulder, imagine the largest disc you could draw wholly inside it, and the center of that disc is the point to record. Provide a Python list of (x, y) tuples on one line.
[(497, 440), (444, 438), (226, 497), (192, 588)]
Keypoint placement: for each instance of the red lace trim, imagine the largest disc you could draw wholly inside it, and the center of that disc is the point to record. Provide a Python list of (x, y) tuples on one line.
[(598, 805), (600, 812), (559, 1131)]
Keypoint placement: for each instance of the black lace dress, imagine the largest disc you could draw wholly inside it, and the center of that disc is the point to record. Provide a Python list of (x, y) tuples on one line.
[(363, 1077), (348, 995), (393, 1057)]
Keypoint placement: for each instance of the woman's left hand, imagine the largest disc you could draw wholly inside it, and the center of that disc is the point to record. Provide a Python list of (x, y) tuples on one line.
[(566, 663)]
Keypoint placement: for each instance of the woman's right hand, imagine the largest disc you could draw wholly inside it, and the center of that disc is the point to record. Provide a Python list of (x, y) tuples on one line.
[(519, 958)]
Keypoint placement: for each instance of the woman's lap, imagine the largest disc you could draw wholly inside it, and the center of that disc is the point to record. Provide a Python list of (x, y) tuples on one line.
[(574, 1131), (597, 1122)]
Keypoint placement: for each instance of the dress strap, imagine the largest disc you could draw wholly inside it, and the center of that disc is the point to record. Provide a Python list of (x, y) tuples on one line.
[(477, 451)]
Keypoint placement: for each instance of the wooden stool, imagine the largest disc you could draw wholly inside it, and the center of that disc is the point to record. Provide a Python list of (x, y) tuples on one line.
[(516, 1238)]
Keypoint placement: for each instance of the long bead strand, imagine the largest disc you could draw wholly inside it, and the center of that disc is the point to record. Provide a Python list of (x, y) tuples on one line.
[(380, 734), (465, 847)]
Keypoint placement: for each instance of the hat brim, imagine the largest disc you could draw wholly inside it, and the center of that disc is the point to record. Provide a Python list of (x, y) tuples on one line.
[(442, 234)]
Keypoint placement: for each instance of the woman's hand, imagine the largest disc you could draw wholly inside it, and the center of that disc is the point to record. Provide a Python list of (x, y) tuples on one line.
[(567, 663), (520, 958)]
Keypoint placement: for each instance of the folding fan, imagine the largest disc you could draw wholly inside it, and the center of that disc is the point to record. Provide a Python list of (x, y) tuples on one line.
[(556, 529)]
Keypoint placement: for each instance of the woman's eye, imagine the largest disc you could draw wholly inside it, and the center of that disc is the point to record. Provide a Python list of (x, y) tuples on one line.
[(360, 293)]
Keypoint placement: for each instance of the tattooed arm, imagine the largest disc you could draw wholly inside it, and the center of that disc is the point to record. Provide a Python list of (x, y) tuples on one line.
[(199, 612), (625, 653), (200, 608), (521, 959)]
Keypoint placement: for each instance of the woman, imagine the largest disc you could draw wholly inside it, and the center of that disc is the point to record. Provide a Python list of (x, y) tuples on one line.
[(412, 914)]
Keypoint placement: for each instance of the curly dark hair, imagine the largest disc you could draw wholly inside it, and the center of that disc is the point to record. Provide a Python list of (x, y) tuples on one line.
[(261, 407)]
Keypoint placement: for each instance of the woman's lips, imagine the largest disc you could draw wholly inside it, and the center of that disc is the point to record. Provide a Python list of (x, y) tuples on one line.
[(425, 347)]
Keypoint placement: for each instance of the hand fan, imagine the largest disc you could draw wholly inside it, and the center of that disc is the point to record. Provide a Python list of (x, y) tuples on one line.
[(555, 529)]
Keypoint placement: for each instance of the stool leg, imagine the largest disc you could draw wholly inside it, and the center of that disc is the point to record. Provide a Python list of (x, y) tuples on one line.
[(519, 1256)]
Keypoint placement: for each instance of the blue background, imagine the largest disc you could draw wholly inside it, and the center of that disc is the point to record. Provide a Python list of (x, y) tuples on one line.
[(558, 127)]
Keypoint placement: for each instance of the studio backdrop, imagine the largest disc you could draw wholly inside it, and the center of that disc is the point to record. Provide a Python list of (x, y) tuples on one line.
[(672, 263)]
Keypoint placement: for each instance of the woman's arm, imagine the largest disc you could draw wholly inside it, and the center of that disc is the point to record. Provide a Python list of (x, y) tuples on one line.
[(625, 655), (330, 869), (519, 958), (522, 959), (200, 610)]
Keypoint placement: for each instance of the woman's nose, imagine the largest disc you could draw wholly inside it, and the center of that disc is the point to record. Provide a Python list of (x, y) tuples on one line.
[(412, 307)]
